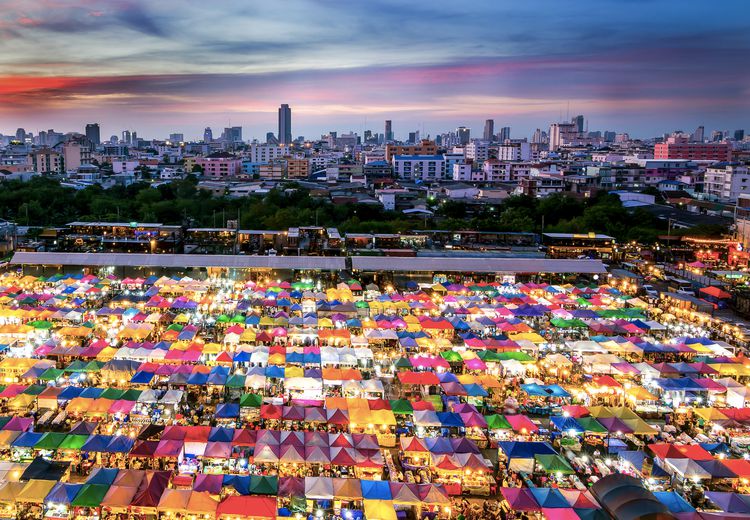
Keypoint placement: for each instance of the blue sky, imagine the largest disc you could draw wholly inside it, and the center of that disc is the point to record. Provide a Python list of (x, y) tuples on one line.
[(641, 66)]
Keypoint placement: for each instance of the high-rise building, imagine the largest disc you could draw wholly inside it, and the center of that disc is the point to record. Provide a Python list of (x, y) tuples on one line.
[(208, 135), (717, 135), (285, 124), (412, 137), (504, 134), (578, 122), (126, 138), (232, 134), (697, 136), (560, 134), (20, 134), (739, 135), (271, 139), (92, 133), (388, 130), (176, 137), (464, 134), (489, 130), (134, 138), (537, 137)]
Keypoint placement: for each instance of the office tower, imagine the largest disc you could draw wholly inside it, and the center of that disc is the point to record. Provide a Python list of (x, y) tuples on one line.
[(698, 135), (92, 133), (208, 135), (413, 137), (176, 137), (578, 123), (134, 138), (504, 134), (739, 135), (537, 137), (368, 135), (609, 136), (20, 134), (464, 134), (271, 139), (285, 124), (388, 130), (489, 130), (717, 135), (126, 138), (232, 134)]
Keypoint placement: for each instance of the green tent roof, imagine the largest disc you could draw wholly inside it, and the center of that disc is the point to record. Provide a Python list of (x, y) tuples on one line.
[(264, 485), (112, 393), (401, 407), (451, 356), (497, 422), (554, 463), (76, 366), (131, 395), (91, 495), (50, 441), (251, 400), (403, 363), (73, 442), (34, 390), (590, 424), (51, 374), (236, 381)]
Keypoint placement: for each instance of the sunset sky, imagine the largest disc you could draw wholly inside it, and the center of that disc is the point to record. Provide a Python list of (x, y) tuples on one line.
[(645, 67)]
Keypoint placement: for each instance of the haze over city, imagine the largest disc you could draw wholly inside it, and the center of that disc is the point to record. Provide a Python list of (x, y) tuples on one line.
[(632, 66)]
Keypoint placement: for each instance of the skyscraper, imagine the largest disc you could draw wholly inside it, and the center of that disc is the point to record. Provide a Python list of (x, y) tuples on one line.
[(578, 122), (698, 135), (285, 124), (92, 133), (739, 135), (126, 136), (464, 134), (504, 134), (208, 135), (20, 134), (388, 130), (489, 130)]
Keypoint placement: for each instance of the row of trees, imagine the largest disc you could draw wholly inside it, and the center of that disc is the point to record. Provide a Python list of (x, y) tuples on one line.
[(45, 202)]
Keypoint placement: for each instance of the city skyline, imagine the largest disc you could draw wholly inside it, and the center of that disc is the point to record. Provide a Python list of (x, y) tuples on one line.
[(162, 70)]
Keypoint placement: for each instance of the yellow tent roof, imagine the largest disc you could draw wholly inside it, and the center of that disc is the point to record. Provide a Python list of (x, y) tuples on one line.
[(35, 491), (380, 509), (710, 414), (21, 401), (640, 394), (9, 491), (7, 437), (174, 500)]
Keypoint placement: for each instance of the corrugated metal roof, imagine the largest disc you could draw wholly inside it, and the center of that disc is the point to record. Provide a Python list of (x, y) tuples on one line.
[(178, 261), (362, 263), (478, 265)]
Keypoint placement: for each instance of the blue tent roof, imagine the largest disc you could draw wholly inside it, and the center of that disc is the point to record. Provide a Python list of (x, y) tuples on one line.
[(104, 476), (549, 497), (97, 443), (376, 490), (197, 378), (525, 449), (674, 501), (450, 419), (63, 493), (566, 424), (142, 377), (219, 434), (218, 376), (634, 457), (69, 392), (120, 444), (227, 410), (27, 440), (275, 371), (475, 390)]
